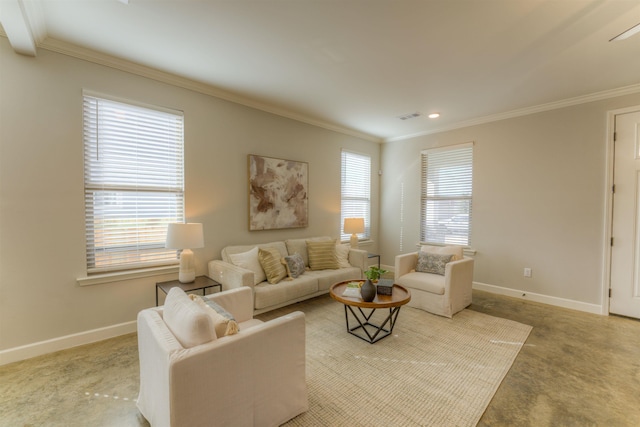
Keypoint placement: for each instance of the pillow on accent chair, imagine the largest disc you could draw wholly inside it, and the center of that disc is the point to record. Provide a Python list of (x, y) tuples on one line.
[(270, 261), (250, 261), (322, 255), (294, 265), (456, 251), (189, 323), (223, 321), (432, 263)]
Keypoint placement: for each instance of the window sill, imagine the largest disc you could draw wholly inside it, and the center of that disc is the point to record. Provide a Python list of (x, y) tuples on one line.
[(119, 276), (465, 249)]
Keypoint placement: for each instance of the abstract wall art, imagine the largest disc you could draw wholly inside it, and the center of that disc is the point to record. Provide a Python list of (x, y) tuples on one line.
[(278, 193)]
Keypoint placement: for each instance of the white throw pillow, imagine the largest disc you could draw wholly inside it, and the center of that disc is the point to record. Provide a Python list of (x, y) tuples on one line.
[(189, 323), (250, 261), (456, 251), (342, 253)]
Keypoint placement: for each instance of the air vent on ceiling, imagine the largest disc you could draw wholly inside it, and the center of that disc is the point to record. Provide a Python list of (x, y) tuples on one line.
[(410, 116)]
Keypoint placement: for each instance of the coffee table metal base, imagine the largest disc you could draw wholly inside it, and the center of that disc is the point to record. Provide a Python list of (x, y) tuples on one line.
[(379, 331)]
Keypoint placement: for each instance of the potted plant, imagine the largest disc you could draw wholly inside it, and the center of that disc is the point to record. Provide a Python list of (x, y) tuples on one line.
[(374, 273)]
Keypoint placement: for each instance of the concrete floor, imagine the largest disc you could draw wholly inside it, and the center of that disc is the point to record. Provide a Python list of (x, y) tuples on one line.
[(576, 369)]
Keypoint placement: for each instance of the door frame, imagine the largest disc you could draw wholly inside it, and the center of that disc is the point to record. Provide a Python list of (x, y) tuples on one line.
[(608, 214)]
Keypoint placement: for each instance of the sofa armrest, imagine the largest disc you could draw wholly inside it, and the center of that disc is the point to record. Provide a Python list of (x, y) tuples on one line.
[(229, 275), (358, 258), (256, 377), (404, 264), (238, 302)]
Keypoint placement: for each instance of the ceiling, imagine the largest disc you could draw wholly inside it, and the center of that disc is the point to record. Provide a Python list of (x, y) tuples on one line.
[(357, 65)]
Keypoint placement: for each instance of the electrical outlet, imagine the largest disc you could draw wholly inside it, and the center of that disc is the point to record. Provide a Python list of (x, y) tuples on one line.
[(527, 272)]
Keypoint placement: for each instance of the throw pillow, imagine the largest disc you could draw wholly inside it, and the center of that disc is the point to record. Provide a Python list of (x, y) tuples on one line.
[(432, 263), (342, 255), (188, 322), (456, 251), (294, 265), (270, 262), (322, 255), (223, 321), (249, 260)]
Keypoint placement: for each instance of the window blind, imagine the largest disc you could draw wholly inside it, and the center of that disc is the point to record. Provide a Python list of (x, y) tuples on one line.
[(446, 196), (355, 191), (134, 183)]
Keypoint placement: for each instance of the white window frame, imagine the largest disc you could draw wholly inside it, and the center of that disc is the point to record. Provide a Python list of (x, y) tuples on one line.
[(355, 185), (446, 200), (134, 182)]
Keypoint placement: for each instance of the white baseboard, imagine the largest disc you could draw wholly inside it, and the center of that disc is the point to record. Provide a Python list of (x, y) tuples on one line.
[(545, 299), (62, 343)]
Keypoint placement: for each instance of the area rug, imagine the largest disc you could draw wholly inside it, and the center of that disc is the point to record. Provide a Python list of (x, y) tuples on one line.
[(432, 371)]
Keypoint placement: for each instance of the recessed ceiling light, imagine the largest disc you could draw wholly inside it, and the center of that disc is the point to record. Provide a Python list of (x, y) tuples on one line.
[(434, 115), (631, 31)]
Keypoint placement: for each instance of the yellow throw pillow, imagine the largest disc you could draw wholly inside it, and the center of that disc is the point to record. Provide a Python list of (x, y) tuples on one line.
[(270, 261), (322, 255)]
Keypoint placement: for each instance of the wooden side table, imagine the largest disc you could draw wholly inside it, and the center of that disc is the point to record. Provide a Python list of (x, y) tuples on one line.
[(201, 282)]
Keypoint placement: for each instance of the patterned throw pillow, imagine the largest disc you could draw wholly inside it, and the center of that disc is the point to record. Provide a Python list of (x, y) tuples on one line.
[(223, 321), (322, 255), (432, 263), (294, 264), (270, 262)]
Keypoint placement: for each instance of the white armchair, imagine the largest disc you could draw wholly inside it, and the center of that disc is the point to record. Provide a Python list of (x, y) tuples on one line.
[(253, 378), (443, 295)]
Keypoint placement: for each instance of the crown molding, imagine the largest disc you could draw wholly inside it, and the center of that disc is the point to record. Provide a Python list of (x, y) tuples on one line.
[(100, 58), (584, 99)]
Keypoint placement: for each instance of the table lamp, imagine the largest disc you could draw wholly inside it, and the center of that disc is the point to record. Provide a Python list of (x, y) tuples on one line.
[(186, 237), (354, 226)]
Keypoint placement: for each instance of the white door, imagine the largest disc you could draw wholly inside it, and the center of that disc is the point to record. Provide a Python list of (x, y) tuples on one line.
[(625, 253)]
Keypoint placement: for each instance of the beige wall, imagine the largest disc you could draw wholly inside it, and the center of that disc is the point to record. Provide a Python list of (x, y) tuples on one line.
[(539, 199), (41, 188)]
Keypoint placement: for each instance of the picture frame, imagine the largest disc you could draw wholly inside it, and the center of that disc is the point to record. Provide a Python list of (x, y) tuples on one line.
[(278, 193)]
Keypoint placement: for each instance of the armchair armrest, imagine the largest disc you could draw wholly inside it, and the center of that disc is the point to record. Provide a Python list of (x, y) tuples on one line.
[(358, 258), (404, 264), (229, 275), (237, 301), (459, 282)]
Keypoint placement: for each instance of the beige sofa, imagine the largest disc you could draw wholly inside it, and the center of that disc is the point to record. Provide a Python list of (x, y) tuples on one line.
[(269, 296)]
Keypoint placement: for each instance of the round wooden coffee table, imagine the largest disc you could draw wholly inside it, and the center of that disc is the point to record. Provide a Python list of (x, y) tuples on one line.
[(355, 305)]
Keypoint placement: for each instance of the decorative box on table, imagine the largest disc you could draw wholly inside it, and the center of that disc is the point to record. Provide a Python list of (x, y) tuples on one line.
[(385, 286)]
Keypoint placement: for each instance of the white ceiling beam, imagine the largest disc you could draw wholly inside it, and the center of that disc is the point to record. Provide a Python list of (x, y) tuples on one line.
[(23, 23)]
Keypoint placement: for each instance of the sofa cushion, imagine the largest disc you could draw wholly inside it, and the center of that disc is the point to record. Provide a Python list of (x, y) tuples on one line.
[(270, 261), (223, 321), (322, 255), (342, 256), (189, 322), (250, 261), (267, 295), (456, 251), (294, 265), (432, 263), (427, 282), (326, 278)]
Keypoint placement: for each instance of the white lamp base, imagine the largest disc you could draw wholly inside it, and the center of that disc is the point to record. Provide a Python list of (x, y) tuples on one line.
[(187, 273), (354, 241)]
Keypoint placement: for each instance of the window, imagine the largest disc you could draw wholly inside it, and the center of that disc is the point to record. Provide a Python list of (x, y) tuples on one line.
[(447, 175), (356, 192), (133, 183)]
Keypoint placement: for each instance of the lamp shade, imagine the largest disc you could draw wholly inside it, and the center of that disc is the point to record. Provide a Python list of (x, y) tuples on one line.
[(353, 225), (184, 236)]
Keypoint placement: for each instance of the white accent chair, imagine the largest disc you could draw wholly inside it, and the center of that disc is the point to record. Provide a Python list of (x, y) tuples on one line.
[(190, 377), (444, 295)]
